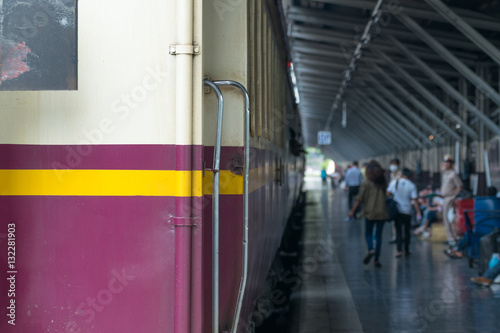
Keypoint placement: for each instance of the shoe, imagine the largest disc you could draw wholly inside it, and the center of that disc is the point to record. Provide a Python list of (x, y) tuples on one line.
[(392, 241), (453, 254), (418, 231), (407, 253), (399, 254), (377, 263), (482, 281), (368, 257), (426, 235)]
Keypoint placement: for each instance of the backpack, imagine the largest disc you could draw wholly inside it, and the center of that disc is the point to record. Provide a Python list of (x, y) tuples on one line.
[(392, 206)]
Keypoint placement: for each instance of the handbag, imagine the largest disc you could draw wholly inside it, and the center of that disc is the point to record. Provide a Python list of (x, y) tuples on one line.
[(392, 206)]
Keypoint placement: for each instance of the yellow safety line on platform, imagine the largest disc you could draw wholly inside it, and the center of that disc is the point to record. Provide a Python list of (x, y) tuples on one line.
[(100, 183)]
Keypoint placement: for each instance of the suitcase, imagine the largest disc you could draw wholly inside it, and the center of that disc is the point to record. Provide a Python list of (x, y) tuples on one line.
[(490, 244)]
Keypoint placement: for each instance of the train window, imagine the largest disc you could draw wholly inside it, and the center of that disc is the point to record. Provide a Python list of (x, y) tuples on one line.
[(38, 40)]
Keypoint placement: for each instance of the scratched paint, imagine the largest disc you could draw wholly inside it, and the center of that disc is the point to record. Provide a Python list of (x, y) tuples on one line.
[(13, 61), (38, 45)]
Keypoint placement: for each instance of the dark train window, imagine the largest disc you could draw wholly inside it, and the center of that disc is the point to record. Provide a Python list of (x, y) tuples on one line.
[(38, 45)]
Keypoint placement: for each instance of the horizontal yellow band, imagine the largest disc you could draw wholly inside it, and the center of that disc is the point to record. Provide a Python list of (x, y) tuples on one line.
[(100, 183), (229, 183), (169, 183)]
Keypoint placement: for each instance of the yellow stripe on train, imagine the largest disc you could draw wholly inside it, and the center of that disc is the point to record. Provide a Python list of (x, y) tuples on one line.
[(169, 183), (100, 183)]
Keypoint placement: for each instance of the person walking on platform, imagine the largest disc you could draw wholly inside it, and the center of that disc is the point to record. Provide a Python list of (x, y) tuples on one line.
[(404, 192), (353, 180), (394, 168), (372, 196), (395, 175), (451, 184)]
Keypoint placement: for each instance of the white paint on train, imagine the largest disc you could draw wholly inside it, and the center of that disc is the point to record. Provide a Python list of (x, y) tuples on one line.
[(126, 82)]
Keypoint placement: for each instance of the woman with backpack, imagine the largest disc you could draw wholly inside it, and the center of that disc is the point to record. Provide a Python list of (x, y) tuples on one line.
[(372, 194)]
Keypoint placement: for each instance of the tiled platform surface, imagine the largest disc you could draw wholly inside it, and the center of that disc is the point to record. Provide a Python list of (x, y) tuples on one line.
[(426, 292)]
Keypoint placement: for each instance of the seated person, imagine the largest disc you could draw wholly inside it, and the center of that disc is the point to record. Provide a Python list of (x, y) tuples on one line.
[(431, 215), (488, 277), (423, 198)]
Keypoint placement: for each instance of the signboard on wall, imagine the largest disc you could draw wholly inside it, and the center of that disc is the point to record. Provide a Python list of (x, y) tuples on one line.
[(38, 45), (324, 138)]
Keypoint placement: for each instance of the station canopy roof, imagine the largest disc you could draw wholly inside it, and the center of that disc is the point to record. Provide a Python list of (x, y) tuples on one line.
[(390, 75)]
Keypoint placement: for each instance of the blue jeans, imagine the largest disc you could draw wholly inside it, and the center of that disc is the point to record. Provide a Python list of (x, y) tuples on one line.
[(493, 272), (369, 225)]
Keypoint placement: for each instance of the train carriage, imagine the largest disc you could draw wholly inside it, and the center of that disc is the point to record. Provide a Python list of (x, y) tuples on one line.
[(109, 187)]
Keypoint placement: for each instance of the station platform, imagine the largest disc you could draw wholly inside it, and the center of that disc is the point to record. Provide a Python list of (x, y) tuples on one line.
[(425, 292)]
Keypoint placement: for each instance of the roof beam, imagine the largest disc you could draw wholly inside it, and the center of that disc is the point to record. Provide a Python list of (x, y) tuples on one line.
[(365, 96), (466, 29), (481, 23), (448, 88), (419, 105), (332, 37), (451, 59), (314, 16), (381, 127), (429, 96), (402, 106), (389, 122)]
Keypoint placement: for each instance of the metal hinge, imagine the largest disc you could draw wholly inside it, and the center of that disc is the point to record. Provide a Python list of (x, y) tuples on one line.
[(184, 221), (175, 49)]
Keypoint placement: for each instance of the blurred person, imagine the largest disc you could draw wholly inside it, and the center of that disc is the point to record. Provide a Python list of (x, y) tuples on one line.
[(394, 168), (363, 169), (404, 192), (394, 175), (353, 180), (323, 176), (372, 194), (451, 185), (432, 214)]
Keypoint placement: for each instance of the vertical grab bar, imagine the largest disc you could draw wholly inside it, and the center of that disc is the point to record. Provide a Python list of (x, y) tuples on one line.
[(246, 170), (215, 209)]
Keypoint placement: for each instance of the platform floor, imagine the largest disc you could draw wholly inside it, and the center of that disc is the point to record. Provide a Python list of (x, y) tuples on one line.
[(426, 292)]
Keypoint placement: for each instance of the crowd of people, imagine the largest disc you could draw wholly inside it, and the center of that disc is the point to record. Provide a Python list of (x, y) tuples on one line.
[(368, 190)]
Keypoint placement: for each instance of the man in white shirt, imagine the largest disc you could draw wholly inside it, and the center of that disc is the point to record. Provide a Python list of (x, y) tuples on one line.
[(353, 180), (404, 192)]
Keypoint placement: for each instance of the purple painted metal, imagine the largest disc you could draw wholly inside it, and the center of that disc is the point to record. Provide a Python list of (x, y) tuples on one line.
[(74, 254), (269, 207), (108, 157), (99, 264)]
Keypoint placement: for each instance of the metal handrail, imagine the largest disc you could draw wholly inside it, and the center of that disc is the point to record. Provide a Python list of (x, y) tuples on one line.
[(246, 171), (215, 209)]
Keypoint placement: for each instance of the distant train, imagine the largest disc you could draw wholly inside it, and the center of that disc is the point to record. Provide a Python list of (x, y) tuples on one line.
[(109, 189)]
